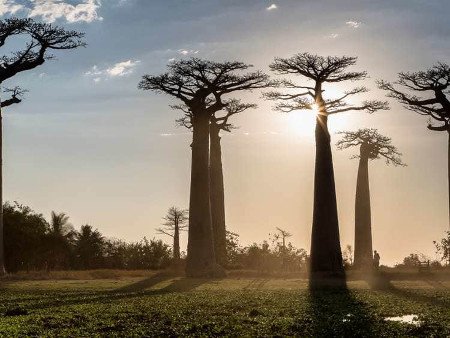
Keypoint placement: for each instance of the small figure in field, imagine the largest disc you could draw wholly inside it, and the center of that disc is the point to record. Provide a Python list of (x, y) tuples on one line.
[(376, 259)]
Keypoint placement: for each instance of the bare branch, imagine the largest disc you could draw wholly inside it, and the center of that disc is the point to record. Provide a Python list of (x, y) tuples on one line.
[(320, 70), (16, 96), (433, 86), (372, 145), (41, 37), (196, 81)]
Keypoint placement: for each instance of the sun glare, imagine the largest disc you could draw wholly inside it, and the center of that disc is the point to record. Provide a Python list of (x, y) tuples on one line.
[(315, 108), (302, 123)]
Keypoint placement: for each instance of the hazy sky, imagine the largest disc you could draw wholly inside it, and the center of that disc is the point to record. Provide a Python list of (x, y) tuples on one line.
[(87, 142)]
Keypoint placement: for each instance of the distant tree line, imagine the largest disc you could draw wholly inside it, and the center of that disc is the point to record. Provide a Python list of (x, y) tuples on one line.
[(33, 243), (206, 92), (276, 257)]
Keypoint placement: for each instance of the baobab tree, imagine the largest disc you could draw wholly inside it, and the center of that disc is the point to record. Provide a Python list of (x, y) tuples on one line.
[(174, 222), (426, 93), (282, 234), (219, 122), (326, 255), (372, 146), (201, 86), (39, 39)]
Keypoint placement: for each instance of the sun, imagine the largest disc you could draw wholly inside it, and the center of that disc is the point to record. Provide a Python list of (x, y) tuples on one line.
[(302, 123)]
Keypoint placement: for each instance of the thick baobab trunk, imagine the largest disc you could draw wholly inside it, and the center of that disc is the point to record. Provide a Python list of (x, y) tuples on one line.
[(217, 196), (363, 226), (201, 260), (176, 243), (326, 255), (2, 244)]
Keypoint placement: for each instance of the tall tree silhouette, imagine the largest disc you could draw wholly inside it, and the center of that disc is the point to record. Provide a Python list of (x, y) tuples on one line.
[(60, 237), (174, 222), (372, 146), (38, 39), (426, 93), (201, 85), (89, 247), (219, 122), (326, 255)]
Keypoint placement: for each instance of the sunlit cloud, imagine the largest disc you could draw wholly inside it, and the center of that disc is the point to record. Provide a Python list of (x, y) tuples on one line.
[(333, 35), (272, 7), (122, 68), (52, 10), (117, 70), (353, 24), (9, 7)]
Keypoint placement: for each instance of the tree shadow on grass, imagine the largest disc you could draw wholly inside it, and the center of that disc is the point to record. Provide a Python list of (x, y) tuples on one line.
[(146, 283), (135, 290), (257, 283), (381, 282), (334, 311)]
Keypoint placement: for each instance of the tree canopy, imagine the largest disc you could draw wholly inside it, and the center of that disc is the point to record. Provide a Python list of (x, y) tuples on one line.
[(375, 145), (319, 70), (425, 93)]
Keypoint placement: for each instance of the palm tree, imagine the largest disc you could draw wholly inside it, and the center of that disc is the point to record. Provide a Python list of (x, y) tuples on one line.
[(60, 239), (372, 146), (89, 247)]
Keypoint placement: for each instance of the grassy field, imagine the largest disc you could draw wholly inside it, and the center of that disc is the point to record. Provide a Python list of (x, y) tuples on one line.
[(157, 304)]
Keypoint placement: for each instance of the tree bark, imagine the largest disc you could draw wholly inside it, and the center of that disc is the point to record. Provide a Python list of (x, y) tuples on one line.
[(363, 223), (201, 260), (448, 177), (176, 242), (217, 196), (326, 255), (2, 244)]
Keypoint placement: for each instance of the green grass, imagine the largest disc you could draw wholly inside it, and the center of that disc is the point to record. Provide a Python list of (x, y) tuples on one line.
[(158, 305)]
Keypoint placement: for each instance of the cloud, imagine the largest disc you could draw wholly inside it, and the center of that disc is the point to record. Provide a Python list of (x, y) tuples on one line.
[(187, 51), (52, 10), (353, 24), (93, 71), (271, 7), (333, 35), (9, 7), (117, 70), (122, 68)]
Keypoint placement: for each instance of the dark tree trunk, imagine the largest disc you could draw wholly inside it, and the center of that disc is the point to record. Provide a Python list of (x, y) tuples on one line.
[(448, 177), (363, 226), (326, 255), (2, 244), (201, 260), (176, 243), (217, 196)]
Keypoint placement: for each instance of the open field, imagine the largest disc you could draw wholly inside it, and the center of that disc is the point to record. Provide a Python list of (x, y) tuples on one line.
[(159, 304)]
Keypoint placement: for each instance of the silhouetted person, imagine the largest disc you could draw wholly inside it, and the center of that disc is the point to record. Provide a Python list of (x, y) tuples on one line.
[(376, 259)]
